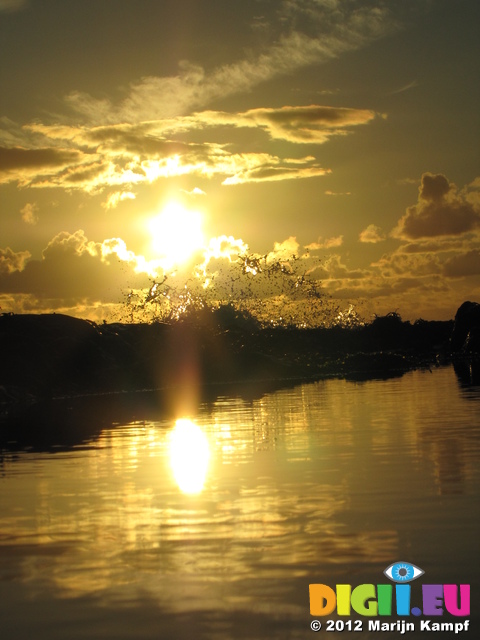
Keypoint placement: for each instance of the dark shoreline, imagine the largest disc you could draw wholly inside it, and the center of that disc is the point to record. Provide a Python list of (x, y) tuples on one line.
[(56, 369), (55, 355)]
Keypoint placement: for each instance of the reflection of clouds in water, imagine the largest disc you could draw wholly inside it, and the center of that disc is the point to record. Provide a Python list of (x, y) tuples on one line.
[(302, 482)]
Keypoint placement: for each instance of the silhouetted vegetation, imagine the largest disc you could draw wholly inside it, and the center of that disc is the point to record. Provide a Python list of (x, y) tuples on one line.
[(52, 363), (52, 355)]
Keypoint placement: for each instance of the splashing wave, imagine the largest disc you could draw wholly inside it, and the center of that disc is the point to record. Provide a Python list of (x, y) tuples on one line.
[(262, 290)]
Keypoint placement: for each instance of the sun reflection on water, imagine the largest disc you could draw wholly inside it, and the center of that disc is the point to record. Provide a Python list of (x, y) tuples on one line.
[(189, 456)]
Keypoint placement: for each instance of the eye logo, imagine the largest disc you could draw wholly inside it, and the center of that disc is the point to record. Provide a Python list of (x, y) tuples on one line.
[(403, 572)]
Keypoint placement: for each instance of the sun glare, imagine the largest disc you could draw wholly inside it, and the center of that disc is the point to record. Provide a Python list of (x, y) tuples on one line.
[(176, 233), (189, 456)]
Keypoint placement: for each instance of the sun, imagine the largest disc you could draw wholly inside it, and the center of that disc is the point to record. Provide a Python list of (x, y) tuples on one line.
[(176, 233)]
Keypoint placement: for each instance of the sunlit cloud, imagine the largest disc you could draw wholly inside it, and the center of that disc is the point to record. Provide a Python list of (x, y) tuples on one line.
[(273, 172), (123, 161), (372, 234), (11, 261), (125, 155), (226, 247), (89, 279), (337, 193), (286, 249), (29, 213), (325, 243), (115, 198), (196, 191)]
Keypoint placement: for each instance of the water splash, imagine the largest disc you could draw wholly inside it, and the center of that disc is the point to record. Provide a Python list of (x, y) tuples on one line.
[(264, 290)]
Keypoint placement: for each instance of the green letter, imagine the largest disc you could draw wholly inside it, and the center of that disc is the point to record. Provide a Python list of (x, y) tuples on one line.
[(360, 595)]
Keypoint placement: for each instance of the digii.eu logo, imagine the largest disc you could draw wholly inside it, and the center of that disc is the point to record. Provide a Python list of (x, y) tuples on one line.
[(378, 600)]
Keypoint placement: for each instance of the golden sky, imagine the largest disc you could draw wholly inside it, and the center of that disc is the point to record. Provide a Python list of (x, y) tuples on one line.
[(138, 138)]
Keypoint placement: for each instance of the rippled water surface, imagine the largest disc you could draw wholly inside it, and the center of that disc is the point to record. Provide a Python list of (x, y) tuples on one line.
[(213, 526)]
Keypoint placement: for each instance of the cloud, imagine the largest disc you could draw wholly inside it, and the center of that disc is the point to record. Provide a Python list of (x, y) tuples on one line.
[(73, 271), (325, 243), (23, 164), (116, 197), (127, 155), (407, 265), (285, 249), (467, 264), (308, 124), (327, 34), (441, 210), (450, 245), (445, 258), (273, 170), (333, 269), (196, 191), (372, 234), (121, 156), (406, 87), (29, 213), (11, 261)]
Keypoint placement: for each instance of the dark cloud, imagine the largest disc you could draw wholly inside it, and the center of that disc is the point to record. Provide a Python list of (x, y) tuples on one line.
[(441, 210), (313, 115), (71, 268), (20, 158), (467, 264), (434, 187), (26, 166), (304, 124)]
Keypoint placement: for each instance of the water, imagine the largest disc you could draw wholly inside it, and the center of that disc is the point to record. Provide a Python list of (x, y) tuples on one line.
[(215, 528)]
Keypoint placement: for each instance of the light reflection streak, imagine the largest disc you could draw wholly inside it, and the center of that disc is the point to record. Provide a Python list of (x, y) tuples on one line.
[(189, 456), (299, 479)]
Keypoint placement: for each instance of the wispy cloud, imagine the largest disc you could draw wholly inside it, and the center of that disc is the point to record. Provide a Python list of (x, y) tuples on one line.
[(406, 87), (333, 29)]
